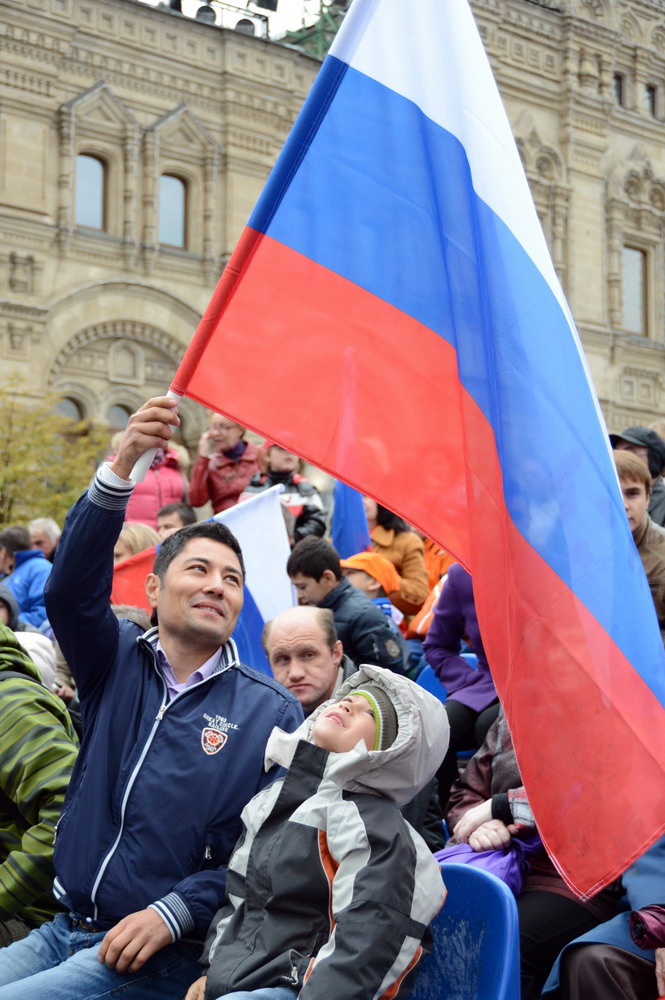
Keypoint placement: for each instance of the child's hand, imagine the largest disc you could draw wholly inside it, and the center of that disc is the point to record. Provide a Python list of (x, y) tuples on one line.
[(491, 836), (197, 989), (471, 820)]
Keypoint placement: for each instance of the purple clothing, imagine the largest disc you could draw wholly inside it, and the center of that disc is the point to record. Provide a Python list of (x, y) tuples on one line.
[(455, 618), (205, 671)]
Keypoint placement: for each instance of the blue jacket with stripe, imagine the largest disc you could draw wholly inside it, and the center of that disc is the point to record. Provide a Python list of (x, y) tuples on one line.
[(153, 808)]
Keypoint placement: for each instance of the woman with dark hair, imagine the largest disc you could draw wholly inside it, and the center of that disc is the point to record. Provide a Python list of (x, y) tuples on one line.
[(393, 539)]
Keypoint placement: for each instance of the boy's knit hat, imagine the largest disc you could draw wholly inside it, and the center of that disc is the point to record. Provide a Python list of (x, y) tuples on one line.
[(384, 713)]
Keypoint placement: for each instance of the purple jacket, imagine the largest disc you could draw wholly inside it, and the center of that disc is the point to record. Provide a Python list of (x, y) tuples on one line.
[(455, 618)]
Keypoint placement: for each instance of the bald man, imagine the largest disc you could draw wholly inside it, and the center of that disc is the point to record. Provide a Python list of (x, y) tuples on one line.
[(305, 654)]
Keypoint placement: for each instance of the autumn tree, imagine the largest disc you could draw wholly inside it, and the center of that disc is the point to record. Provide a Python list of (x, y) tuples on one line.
[(46, 460)]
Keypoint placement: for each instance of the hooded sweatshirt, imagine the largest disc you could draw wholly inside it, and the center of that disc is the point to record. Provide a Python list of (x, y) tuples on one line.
[(330, 891)]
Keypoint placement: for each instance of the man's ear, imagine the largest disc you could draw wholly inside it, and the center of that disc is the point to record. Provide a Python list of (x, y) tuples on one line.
[(152, 588), (337, 652), (373, 586), (329, 577)]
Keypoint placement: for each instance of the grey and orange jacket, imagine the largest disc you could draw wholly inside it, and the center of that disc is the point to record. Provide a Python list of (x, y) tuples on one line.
[(330, 891)]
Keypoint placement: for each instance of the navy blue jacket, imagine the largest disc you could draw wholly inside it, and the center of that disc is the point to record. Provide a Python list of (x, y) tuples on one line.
[(364, 630), (153, 808)]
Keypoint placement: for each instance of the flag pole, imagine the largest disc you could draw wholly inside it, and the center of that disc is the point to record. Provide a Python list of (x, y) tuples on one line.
[(143, 463)]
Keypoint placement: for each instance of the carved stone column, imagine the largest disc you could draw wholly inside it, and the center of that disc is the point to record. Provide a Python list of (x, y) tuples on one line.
[(65, 222), (129, 233), (614, 247), (560, 233), (149, 203), (210, 182)]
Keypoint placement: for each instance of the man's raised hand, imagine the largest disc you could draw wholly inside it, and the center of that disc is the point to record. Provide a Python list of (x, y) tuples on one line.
[(150, 427)]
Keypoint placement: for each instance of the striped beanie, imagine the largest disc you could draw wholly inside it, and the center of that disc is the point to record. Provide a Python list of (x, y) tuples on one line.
[(384, 713)]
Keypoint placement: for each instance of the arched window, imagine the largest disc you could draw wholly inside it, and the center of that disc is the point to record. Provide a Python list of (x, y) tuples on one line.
[(70, 408), (117, 417), (172, 215), (90, 192)]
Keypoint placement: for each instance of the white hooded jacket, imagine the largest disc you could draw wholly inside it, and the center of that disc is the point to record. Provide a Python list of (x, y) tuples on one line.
[(330, 890)]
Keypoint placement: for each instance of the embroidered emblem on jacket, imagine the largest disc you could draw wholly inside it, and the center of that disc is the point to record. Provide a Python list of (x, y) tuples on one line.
[(212, 740)]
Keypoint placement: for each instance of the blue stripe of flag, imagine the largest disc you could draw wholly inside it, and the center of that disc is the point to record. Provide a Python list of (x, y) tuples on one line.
[(516, 355)]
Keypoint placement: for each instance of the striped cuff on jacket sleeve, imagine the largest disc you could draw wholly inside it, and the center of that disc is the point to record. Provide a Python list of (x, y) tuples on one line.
[(175, 913), (109, 491)]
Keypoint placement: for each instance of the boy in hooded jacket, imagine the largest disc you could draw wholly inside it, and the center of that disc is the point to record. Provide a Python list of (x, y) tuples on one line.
[(329, 890)]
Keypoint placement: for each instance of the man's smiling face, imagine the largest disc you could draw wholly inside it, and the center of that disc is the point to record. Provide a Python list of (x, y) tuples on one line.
[(201, 595)]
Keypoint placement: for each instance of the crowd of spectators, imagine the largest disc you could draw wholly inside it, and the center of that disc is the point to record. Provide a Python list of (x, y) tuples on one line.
[(202, 807)]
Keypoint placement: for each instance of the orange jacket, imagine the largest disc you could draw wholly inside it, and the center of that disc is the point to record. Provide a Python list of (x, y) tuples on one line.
[(405, 551)]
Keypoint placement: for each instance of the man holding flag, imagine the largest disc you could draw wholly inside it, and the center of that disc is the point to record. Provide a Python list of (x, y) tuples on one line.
[(175, 729), (422, 282)]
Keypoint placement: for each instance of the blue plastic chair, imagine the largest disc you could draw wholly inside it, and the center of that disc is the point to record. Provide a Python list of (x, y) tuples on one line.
[(475, 954), (471, 659), (427, 679)]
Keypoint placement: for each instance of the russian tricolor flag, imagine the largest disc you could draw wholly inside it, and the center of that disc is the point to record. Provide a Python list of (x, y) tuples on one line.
[(391, 313)]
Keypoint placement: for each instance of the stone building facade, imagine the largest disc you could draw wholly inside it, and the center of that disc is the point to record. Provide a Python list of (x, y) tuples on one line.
[(584, 86), (108, 97), (100, 308)]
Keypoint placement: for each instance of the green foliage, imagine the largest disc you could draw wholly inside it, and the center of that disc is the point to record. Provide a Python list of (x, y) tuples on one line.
[(46, 460)]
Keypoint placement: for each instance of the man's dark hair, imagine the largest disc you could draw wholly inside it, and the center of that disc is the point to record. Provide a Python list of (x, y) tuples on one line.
[(390, 521), (15, 539), (312, 557), (183, 510), (171, 546)]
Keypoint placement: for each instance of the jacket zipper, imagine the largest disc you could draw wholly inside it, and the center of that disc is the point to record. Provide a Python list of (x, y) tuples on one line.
[(123, 806), (132, 778)]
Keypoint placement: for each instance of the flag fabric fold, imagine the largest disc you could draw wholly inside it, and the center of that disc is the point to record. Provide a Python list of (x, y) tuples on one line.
[(391, 313), (258, 524), (129, 579), (349, 530)]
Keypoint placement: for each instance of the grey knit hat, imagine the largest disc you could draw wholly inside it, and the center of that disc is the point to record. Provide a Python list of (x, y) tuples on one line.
[(384, 713)]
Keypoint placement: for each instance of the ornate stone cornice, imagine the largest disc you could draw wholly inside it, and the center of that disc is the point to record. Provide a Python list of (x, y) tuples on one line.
[(18, 309)]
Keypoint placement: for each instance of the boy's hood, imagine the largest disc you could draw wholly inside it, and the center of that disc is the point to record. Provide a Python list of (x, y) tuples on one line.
[(398, 772)]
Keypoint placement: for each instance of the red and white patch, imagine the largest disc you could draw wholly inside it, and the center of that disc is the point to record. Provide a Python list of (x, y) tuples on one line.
[(212, 740)]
